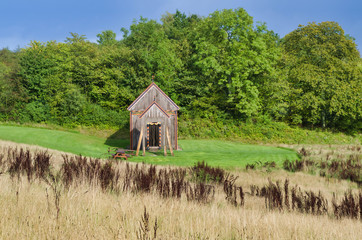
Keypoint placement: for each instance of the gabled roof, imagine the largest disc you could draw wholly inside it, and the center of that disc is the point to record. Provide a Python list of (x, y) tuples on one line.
[(152, 85), (156, 105)]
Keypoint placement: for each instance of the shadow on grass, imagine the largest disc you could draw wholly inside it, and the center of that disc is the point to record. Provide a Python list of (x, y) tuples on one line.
[(118, 139)]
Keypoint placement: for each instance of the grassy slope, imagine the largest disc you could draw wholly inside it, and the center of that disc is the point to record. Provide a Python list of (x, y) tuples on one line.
[(216, 153), (60, 140)]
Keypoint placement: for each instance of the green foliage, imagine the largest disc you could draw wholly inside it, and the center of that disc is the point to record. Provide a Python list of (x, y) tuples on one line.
[(201, 172), (97, 116), (324, 80), (258, 130), (35, 112), (11, 91), (232, 55), (230, 76), (107, 38)]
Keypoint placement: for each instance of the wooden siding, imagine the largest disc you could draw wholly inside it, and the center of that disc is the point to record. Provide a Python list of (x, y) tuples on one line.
[(154, 111), (153, 105), (151, 95), (170, 122)]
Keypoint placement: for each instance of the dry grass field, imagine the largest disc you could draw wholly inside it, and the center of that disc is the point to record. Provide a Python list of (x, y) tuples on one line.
[(28, 210)]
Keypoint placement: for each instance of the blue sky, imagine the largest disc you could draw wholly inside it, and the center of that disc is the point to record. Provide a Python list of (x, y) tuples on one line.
[(43, 20)]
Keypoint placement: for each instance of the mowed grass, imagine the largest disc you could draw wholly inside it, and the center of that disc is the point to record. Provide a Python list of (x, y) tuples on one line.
[(70, 142), (225, 154)]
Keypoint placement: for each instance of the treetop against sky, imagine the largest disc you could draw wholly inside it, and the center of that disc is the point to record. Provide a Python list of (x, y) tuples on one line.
[(22, 21)]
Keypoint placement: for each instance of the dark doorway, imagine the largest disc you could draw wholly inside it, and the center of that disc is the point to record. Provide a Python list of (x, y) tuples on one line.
[(154, 134)]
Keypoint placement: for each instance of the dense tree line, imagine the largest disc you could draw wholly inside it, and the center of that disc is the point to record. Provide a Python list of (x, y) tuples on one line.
[(219, 67)]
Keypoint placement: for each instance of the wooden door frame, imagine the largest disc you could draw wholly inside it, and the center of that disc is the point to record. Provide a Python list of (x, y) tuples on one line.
[(159, 132)]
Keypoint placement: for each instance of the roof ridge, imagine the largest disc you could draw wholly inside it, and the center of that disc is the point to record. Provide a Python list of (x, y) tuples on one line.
[(149, 107), (146, 90)]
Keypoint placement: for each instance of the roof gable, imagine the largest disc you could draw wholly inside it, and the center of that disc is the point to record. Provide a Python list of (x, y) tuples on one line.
[(153, 94), (154, 106)]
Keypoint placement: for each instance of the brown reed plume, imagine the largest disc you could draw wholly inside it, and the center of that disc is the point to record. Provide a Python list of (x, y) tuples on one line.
[(360, 204), (298, 165), (253, 190), (23, 162), (41, 164), (54, 181), (2, 163), (286, 194), (80, 169), (171, 182), (268, 165), (144, 231), (297, 202), (128, 173), (349, 207), (233, 193), (309, 202), (20, 163), (273, 197), (350, 169), (144, 179), (177, 181), (200, 192)]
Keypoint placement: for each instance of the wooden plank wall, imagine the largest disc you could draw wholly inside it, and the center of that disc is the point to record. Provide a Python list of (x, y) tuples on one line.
[(153, 95), (154, 114), (137, 124)]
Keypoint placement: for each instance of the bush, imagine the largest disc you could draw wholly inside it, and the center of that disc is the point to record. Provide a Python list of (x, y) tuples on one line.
[(95, 115), (201, 172), (35, 112), (255, 130)]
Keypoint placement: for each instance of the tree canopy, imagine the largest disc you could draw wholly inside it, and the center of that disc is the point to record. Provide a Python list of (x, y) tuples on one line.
[(223, 66), (322, 67)]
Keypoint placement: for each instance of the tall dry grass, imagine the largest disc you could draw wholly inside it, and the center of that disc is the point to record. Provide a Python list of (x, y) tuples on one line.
[(330, 161), (28, 211)]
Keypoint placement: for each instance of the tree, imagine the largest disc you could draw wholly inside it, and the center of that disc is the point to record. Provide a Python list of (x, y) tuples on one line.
[(107, 37), (233, 57), (11, 91), (76, 38), (154, 54), (321, 63)]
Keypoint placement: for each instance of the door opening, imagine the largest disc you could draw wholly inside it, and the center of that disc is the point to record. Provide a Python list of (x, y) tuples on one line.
[(154, 134)]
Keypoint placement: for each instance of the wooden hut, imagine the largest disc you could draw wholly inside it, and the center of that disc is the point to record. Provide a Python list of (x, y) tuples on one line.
[(154, 113)]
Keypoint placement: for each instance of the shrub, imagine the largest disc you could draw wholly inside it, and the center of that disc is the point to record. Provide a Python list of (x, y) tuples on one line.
[(35, 112), (201, 172)]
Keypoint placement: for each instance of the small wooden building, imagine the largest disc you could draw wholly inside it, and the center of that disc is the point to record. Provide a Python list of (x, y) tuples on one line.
[(154, 113)]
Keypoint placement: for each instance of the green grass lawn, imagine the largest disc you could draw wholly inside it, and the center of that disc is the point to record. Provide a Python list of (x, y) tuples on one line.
[(225, 154), (216, 153), (59, 140)]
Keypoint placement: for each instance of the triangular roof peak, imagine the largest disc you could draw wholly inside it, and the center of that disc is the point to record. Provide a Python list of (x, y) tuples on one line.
[(164, 101), (150, 107)]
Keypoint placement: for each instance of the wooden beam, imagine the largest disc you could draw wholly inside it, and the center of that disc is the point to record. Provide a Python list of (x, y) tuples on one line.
[(164, 150), (169, 142), (143, 147), (139, 142)]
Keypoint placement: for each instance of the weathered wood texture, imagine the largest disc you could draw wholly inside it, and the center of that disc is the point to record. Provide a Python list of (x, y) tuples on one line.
[(164, 121), (153, 93), (153, 106)]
